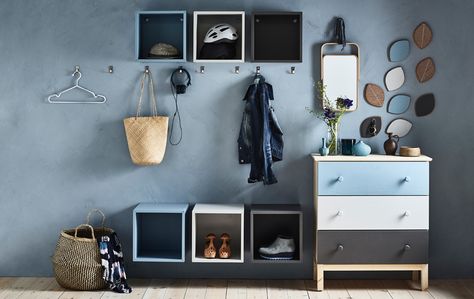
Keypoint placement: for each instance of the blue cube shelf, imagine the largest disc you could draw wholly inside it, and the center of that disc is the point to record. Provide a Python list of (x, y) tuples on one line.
[(153, 27), (159, 232)]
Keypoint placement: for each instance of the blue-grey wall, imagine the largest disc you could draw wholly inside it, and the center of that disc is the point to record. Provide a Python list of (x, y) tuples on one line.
[(59, 161)]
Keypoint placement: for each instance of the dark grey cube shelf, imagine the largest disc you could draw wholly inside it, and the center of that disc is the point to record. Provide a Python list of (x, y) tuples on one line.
[(159, 232), (277, 37), (268, 221), (154, 27)]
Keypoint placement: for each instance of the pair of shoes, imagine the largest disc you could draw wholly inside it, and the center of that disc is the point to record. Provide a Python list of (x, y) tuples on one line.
[(210, 250), (283, 248)]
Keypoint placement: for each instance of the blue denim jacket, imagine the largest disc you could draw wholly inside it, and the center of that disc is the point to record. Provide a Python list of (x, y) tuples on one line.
[(261, 138)]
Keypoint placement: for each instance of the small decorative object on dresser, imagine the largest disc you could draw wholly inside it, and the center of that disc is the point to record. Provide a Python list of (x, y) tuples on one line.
[(324, 150), (372, 214), (361, 149), (390, 145), (346, 145), (331, 114), (408, 151)]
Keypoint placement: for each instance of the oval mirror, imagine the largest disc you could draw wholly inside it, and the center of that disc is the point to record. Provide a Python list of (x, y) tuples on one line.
[(370, 127), (399, 104), (395, 78), (400, 127), (399, 50), (425, 104)]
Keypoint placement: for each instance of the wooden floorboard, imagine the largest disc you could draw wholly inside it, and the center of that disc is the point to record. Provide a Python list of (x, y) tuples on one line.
[(48, 288)]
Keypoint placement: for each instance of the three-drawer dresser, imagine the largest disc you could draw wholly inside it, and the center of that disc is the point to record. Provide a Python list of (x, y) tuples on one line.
[(371, 214)]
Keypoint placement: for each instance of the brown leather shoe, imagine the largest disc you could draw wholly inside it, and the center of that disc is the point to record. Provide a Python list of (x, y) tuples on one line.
[(210, 249), (224, 251)]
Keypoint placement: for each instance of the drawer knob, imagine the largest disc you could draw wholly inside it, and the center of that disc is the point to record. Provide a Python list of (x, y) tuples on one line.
[(340, 179), (407, 247), (406, 179), (406, 214), (340, 213), (340, 247)]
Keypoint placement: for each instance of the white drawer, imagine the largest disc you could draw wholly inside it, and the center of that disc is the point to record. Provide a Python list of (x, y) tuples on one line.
[(372, 212)]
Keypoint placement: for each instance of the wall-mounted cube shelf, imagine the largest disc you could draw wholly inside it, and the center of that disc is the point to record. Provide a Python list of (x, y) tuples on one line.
[(203, 20), (269, 221), (218, 219), (159, 232), (277, 37), (153, 27)]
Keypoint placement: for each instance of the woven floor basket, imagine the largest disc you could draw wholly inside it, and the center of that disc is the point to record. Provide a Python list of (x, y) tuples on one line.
[(76, 260)]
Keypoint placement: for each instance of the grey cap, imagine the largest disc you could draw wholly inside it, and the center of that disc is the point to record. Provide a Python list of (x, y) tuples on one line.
[(164, 50)]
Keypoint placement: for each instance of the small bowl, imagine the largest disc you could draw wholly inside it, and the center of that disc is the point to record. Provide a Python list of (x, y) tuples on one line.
[(408, 151)]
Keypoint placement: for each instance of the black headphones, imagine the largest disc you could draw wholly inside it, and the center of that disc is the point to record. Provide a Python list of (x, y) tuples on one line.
[(180, 88)]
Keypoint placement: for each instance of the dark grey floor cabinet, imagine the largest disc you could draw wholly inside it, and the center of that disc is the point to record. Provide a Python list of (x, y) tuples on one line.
[(153, 27), (269, 221), (277, 37)]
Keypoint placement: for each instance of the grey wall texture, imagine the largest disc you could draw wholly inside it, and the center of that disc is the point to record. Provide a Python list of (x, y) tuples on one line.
[(59, 161)]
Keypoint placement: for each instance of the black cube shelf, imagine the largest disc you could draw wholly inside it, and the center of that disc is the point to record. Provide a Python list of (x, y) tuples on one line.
[(277, 37), (269, 221)]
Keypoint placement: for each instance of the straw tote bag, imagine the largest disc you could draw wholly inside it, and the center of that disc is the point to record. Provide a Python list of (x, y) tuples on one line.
[(147, 135)]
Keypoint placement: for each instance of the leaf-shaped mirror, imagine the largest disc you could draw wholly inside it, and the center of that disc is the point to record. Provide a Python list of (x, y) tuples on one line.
[(425, 104), (374, 95), (422, 35), (400, 127), (395, 78), (399, 50), (399, 104), (425, 70), (370, 127)]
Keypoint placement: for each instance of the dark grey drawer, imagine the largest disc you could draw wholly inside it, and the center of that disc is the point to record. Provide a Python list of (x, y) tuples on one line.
[(372, 247)]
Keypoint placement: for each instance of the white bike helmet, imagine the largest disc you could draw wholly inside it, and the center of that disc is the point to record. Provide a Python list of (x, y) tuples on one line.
[(221, 33)]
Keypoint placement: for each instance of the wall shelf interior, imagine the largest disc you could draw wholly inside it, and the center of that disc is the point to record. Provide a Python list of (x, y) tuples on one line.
[(153, 27), (203, 20), (269, 221), (218, 219), (159, 232), (277, 37)]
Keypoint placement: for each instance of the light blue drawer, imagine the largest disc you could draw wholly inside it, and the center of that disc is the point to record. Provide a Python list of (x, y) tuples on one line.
[(373, 178)]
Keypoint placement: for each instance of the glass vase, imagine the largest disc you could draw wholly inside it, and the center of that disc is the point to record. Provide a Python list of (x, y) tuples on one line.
[(333, 142)]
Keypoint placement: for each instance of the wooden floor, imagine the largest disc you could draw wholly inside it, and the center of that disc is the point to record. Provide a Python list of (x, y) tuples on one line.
[(40, 288)]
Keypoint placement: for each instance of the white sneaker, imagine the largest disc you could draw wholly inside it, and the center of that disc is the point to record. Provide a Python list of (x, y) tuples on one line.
[(283, 248)]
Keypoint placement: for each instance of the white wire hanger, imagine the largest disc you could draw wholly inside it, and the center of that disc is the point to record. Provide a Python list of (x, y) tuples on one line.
[(51, 98)]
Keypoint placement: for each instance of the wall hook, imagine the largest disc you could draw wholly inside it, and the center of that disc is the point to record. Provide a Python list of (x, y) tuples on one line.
[(201, 69), (257, 70), (77, 69), (111, 69), (180, 70), (237, 69), (147, 69), (292, 70)]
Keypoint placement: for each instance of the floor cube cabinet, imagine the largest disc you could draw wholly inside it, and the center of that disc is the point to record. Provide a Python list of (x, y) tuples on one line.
[(204, 20), (153, 27), (159, 232), (217, 219), (267, 222), (372, 214)]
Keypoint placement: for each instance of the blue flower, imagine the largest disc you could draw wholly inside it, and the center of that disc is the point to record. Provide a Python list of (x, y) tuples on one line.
[(329, 114), (344, 103)]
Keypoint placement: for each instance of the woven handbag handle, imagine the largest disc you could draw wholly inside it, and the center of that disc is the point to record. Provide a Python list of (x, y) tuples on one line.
[(98, 212), (84, 225), (151, 91)]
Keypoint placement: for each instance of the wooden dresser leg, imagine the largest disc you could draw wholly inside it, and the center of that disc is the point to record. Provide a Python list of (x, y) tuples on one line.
[(319, 277), (415, 275), (424, 278)]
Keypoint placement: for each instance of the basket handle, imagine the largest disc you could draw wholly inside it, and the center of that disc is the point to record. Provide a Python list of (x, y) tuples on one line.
[(98, 212), (84, 225)]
